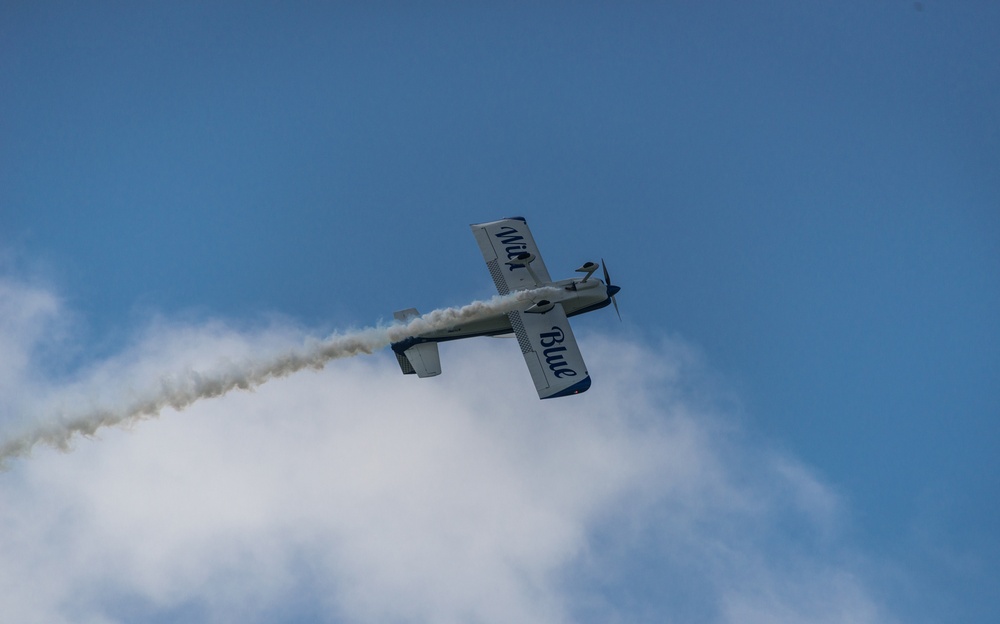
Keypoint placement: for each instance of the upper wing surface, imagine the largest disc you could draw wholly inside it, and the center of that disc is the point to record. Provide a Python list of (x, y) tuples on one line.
[(501, 242), (551, 352)]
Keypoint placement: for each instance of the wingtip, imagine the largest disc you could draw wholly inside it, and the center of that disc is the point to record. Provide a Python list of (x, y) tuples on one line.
[(581, 386)]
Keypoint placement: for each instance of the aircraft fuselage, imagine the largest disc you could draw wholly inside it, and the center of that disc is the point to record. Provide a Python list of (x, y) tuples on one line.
[(575, 295)]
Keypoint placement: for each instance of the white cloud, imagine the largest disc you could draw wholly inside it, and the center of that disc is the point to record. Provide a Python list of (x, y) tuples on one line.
[(357, 494)]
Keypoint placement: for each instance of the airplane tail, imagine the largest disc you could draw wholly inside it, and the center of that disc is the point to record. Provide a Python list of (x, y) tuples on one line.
[(404, 364), (420, 358)]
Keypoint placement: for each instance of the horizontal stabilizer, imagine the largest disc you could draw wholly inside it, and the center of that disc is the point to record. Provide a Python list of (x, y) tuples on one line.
[(404, 364), (421, 358), (424, 359)]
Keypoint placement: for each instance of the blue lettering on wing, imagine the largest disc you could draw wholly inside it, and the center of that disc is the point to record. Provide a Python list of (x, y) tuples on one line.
[(513, 244), (508, 235), (554, 357)]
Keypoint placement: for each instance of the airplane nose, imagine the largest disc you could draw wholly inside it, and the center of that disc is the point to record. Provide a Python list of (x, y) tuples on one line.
[(613, 290)]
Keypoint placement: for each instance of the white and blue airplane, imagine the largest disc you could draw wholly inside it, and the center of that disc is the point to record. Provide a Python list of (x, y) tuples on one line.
[(542, 327)]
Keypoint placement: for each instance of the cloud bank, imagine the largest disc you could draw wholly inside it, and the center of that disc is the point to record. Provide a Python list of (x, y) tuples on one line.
[(354, 494)]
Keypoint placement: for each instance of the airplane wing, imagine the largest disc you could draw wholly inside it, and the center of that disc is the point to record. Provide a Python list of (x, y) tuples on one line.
[(501, 243), (546, 340), (551, 353)]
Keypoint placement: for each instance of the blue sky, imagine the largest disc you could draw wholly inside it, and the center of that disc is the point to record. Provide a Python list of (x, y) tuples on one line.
[(801, 202)]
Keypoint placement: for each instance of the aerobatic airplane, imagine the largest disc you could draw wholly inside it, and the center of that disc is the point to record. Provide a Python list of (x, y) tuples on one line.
[(542, 328)]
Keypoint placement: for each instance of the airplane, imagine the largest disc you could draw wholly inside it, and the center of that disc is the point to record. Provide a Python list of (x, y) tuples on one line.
[(541, 327)]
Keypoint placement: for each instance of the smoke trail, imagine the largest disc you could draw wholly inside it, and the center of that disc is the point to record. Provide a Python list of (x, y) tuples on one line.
[(180, 391)]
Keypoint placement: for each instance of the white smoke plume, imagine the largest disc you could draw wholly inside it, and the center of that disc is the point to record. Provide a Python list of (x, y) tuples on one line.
[(178, 390)]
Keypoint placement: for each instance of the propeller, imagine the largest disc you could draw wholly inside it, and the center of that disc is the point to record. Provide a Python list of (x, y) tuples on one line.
[(612, 290)]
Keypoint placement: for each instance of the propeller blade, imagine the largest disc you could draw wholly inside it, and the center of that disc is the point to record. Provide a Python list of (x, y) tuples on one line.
[(612, 289)]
